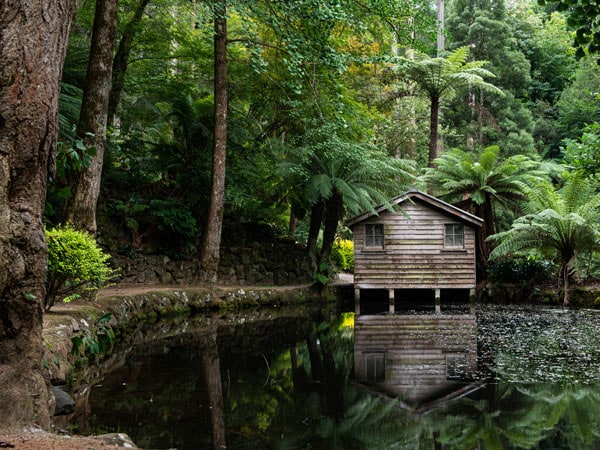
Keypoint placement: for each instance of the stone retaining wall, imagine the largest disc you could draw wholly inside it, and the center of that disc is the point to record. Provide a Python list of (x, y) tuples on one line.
[(276, 263)]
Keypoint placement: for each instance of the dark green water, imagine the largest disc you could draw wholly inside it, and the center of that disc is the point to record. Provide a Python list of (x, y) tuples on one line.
[(489, 377)]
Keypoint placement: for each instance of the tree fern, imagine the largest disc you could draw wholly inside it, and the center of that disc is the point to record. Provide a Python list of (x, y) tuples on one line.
[(485, 185), (331, 169), (564, 222)]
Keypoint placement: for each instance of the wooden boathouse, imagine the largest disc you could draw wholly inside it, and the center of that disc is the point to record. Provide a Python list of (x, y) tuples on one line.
[(422, 244)]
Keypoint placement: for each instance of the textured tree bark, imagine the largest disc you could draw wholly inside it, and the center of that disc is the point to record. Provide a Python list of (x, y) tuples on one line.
[(334, 209), (121, 60), (316, 219), (214, 224), (33, 43), (433, 130), (81, 207)]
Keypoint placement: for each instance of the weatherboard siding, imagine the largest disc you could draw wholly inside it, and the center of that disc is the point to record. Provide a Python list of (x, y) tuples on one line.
[(414, 255)]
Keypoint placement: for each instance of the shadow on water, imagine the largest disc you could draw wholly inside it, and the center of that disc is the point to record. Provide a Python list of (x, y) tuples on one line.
[(473, 377)]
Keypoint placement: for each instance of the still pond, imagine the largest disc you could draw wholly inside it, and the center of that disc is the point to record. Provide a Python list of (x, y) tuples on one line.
[(472, 377)]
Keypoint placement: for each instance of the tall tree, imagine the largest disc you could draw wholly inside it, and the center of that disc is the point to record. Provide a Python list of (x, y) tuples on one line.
[(578, 104), (214, 221), (439, 78), (81, 208), (33, 42), (563, 221), (121, 59), (484, 27)]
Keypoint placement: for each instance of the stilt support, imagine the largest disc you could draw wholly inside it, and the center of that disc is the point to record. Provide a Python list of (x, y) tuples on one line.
[(357, 302), (438, 301), (392, 299)]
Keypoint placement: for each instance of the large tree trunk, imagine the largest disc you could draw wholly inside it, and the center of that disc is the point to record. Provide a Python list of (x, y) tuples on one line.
[(33, 43), (81, 207), (121, 60), (214, 225), (433, 130)]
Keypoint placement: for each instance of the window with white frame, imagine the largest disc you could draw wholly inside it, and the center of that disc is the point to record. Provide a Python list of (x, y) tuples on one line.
[(454, 235), (374, 235)]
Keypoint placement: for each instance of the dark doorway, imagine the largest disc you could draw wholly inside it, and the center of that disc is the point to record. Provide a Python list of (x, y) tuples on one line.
[(374, 301), (418, 300)]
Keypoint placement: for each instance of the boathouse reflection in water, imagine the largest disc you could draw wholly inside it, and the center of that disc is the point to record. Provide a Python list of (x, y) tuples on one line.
[(418, 358)]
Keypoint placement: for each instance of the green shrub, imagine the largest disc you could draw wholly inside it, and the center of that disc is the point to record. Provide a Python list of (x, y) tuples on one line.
[(342, 254), (520, 268), (76, 265), (174, 218)]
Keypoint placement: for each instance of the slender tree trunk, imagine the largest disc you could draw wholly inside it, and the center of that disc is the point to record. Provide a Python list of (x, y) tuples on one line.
[(483, 247), (334, 209), (33, 44), (212, 236), (121, 60), (81, 207), (433, 130), (316, 219), (565, 277), (292, 228), (441, 39)]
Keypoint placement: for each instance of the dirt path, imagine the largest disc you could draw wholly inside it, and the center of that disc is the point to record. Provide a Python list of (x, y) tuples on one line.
[(135, 289)]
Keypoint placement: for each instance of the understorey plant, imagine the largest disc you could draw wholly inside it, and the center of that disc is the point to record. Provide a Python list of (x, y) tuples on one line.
[(77, 266)]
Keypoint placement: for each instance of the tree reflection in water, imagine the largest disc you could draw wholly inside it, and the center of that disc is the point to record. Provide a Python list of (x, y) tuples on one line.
[(299, 393)]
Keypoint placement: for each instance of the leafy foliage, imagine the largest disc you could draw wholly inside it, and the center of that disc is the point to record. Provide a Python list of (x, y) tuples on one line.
[(522, 268), (441, 78), (95, 340), (584, 18), (584, 154), (487, 186), (343, 254), (563, 223), (459, 176), (173, 218), (329, 163), (76, 265), (578, 103)]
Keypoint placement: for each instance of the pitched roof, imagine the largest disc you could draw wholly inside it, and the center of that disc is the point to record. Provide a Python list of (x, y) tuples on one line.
[(430, 200)]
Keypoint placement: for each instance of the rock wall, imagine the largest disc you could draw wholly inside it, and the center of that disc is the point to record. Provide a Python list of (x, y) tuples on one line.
[(243, 262)]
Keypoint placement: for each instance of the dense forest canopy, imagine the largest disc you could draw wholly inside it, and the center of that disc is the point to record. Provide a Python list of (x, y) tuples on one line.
[(177, 116), (331, 108)]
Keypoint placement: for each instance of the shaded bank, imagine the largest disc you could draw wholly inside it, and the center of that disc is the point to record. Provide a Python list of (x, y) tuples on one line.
[(80, 337), (584, 295)]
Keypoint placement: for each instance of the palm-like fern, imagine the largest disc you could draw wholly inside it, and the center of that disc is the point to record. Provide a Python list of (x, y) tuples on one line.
[(337, 175), (483, 185), (563, 221), (439, 78)]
